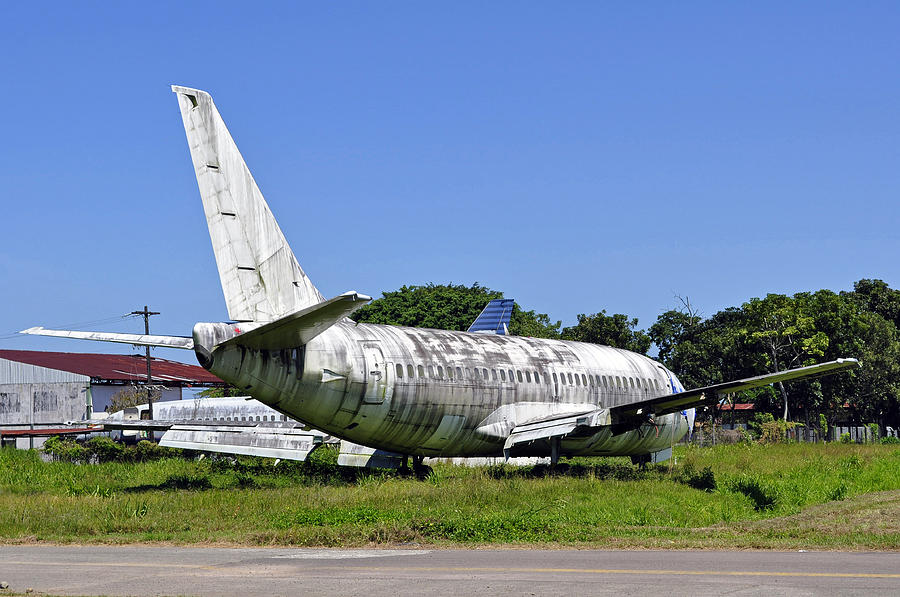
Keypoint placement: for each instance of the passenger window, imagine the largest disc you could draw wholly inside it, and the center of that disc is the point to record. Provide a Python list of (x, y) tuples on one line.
[(459, 373), (409, 371), (440, 372), (493, 375), (449, 372), (519, 375), (618, 382), (656, 383), (399, 371), (631, 381), (583, 380), (577, 380), (502, 375), (554, 378), (562, 378), (570, 378), (510, 373), (431, 371), (474, 373), (421, 370), (528, 376)]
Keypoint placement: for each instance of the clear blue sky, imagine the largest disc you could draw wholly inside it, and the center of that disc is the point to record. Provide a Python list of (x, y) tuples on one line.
[(576, 156)]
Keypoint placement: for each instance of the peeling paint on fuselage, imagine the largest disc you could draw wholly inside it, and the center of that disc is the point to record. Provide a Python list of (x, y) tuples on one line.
[(444, 393)]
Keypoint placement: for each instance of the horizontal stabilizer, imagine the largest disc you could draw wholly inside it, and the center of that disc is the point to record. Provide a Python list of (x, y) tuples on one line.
[(299, 328), (135, 339), (709, 395), (494, 318), (266, 442)]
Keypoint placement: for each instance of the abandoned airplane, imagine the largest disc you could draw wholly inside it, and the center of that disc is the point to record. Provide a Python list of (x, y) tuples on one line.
[(398, 391)]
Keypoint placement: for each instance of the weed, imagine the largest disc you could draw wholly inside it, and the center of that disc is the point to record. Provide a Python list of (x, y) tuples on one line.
[(705, 479), (837, 493), (763, 496)]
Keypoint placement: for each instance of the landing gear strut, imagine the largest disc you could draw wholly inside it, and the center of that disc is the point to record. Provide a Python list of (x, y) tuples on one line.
[(420, 469)]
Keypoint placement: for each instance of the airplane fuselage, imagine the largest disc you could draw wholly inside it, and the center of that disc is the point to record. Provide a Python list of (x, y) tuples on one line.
[(444, 393)]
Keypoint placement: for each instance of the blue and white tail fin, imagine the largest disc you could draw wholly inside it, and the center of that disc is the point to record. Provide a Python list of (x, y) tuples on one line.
[(494, 319), (261, 278)]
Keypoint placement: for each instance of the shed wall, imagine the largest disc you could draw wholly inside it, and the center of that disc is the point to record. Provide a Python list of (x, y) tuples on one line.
[(23, 404)]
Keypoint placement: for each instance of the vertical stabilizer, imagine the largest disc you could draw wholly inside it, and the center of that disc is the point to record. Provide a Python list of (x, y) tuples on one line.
[(261, 278)]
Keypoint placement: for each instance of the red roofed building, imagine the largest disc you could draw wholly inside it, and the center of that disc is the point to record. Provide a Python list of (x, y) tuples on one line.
[(39, 389)]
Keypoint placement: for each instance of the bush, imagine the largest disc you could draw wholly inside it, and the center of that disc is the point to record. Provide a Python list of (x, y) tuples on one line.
[(845, 438), (104, 449), (873, 432), (890, 440), (755, 425), (66, 450), (146, 450)]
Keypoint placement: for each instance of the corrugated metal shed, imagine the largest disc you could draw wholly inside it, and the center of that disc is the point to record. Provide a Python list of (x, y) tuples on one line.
[(16, 372), (110, 368)]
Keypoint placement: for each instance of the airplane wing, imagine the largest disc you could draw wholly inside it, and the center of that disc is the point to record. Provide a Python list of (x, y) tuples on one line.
[(287, 441), (268, 442), (299, 328), (630, 416), (135, 339), (708, 395)]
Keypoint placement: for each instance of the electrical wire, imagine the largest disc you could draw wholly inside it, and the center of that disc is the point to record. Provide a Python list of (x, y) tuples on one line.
[(74, 326)]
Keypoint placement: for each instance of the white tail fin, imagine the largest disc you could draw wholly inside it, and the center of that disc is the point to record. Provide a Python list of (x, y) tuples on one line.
[(261, 278)]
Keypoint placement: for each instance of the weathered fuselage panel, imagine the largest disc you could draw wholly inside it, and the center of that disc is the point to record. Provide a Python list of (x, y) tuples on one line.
[(443, 393)]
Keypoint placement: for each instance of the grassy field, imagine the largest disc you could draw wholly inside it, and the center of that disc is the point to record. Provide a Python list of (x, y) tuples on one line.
[(789, 496)]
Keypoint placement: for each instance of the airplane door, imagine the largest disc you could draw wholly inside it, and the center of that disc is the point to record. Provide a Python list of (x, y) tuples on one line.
[(378, 386)]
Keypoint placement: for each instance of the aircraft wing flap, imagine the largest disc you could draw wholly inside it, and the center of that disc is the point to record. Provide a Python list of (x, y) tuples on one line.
[(299, 328), (266, 442), (554, 426), (708, 395)]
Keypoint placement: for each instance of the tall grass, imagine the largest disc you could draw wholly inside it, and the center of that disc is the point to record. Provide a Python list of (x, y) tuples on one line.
[(596, 502)]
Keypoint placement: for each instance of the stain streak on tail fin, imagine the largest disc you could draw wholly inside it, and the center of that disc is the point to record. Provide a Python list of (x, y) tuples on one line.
[(261, 278)]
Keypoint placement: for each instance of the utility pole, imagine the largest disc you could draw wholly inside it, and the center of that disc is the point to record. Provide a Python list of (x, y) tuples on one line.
[(146, 314)]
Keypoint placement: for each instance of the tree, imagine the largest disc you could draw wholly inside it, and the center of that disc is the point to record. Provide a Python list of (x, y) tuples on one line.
[(612, 330), (876, 296), (131, 396), (449, 307), (221, 392), (785, 333)]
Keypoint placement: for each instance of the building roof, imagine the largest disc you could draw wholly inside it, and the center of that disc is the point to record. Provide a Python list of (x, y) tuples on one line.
[(116, 368), (738, 406)]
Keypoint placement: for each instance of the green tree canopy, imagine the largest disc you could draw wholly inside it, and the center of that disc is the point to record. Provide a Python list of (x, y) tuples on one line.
[(611, 330), (449, 307)]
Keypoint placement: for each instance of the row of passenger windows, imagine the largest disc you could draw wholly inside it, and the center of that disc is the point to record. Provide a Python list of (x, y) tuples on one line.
[(250, 418), (526, 376)]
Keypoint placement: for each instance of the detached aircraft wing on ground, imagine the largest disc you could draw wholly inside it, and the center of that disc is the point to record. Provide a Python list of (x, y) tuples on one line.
[(408, 391)]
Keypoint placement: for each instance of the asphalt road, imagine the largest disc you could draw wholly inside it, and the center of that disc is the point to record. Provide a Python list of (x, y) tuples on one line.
[(97, 570)]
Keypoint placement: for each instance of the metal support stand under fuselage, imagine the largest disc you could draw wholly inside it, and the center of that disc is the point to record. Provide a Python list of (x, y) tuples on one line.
[(554, 450)]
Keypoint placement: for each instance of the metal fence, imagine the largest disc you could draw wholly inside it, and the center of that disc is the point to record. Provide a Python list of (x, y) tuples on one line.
[(711, 436)]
